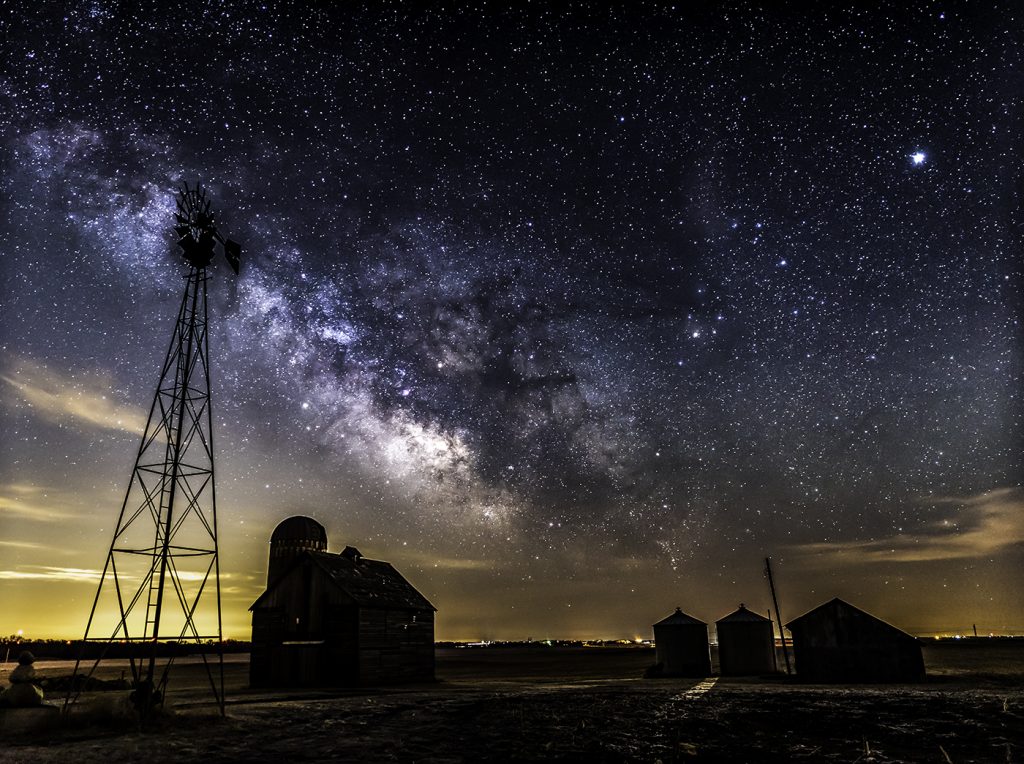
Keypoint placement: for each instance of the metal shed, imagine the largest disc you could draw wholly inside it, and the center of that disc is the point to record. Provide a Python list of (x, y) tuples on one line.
[(746, 644), (681, 642), (837, 642), (336, 619)]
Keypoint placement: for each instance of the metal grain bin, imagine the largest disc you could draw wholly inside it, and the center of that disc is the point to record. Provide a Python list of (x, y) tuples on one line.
[(682, 646), (746, 644)]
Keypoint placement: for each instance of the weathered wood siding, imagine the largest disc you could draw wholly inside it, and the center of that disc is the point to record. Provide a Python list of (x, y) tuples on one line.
[(306, 632), (396, 645), (299, 634)]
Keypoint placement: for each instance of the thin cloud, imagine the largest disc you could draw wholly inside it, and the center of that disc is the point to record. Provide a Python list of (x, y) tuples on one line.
[(50, 573), (457, 563), (35, 505), (23, 545), (83, 399), (426, 560), (56, 573), (983, 526)]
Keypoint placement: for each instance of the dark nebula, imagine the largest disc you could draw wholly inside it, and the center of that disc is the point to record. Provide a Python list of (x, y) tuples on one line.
[(572, 314)]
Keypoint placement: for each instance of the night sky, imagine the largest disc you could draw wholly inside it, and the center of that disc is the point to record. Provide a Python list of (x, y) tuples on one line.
[(572, 316)]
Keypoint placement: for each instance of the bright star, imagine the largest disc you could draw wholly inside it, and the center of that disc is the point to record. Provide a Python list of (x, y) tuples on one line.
[(917, 157)]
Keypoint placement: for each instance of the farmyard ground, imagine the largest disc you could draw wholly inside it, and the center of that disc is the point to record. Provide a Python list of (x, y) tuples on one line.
[(579, 705)]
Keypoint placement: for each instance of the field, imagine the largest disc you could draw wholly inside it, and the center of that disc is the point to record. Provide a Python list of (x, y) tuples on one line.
[(572, 704)]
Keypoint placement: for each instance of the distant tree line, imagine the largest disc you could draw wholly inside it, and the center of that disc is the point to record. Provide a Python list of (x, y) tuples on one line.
[(65, 649)]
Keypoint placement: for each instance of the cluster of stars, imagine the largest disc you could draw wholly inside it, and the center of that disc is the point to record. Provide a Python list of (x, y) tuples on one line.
[(626, 303)]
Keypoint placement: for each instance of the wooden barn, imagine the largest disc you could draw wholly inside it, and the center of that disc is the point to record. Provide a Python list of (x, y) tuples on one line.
[(336, 619), (837, 642)]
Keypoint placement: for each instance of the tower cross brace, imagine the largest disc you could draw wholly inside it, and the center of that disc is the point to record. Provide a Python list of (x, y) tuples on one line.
[(164, 552)]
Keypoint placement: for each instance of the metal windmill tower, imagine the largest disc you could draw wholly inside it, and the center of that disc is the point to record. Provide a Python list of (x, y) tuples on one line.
[(163, 558)]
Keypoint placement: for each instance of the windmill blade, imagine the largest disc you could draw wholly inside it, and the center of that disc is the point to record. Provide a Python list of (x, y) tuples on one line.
[(196, 230)]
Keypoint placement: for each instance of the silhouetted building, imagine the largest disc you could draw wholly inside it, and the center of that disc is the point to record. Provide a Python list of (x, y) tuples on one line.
[(746, 644), (336, 619), (681, 643), (837, 642)]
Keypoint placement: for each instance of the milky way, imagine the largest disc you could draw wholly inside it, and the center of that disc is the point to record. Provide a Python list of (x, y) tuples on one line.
[(561, 312)]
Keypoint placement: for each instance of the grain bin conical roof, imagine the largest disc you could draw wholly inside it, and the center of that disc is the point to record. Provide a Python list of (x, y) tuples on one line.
[(679, 618), (741, 615)]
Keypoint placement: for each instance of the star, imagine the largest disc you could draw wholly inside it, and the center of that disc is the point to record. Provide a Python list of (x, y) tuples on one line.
[(434, 295)]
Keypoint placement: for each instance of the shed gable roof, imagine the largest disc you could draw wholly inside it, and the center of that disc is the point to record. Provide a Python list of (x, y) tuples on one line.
[(837, 605)]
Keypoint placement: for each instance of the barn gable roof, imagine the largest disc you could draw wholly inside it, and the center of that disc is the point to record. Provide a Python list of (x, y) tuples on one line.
[(368, 583), (837, 605)]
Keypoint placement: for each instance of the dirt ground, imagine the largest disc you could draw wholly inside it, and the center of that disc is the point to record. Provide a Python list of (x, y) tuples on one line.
[(585, 705)]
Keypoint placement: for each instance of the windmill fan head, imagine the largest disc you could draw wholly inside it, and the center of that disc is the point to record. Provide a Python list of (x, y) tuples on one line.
[(196, 230)]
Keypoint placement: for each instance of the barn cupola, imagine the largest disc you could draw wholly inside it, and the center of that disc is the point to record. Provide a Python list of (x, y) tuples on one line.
[(292, 537)]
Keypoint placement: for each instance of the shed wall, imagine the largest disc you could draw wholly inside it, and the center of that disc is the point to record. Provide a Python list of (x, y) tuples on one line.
[(840, 645)]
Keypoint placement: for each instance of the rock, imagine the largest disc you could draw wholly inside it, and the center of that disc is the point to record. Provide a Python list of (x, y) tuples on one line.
[(22, 695), (23, 673), (23, 692)]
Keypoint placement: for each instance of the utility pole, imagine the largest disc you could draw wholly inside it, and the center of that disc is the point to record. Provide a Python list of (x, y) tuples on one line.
[(778, 617)]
